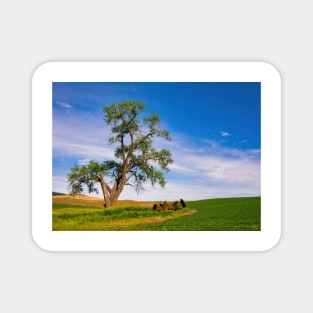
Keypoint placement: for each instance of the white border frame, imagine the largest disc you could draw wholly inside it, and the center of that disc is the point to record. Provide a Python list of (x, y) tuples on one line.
[(156, 240)]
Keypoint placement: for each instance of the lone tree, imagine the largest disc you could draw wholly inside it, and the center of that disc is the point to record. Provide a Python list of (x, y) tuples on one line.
[(136, 160)]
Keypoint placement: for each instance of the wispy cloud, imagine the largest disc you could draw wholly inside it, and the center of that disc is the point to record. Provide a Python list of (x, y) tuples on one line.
[(201, 169), (80, 137), (205, 168), (64, 147), (215, 170), (181, 168), (59, 184), (174, 190), (64, 105), (83, 162), (224, 134)]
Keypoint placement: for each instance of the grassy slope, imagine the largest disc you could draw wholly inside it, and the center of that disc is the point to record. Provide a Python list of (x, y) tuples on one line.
[(217, 214), (213, 214)]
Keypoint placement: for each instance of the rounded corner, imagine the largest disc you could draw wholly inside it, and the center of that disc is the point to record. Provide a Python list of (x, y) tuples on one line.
[(272, 69), (273, 244), (39, 244), (40, 69)]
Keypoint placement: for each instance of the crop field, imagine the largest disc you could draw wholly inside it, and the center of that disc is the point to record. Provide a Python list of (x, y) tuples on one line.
[(83, 213)]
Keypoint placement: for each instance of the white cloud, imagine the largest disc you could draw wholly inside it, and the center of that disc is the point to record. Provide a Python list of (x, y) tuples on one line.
[(63, 147), (174, 190), (64, 105), (254, 151), (198, 172), (59, 184), (224, 134), (83, 162), (242, 141), (222, 169), (181, 168), (81, 137), (214, 173)]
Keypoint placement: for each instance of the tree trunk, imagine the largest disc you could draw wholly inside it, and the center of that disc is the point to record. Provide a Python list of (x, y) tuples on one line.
[(111, 195), (116, 194), (117, 190), (106, 197), (107, 202)]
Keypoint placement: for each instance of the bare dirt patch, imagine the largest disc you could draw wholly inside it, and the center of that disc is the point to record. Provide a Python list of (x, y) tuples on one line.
[(121, 203), (157, 219), (79, 197), (190, 212)]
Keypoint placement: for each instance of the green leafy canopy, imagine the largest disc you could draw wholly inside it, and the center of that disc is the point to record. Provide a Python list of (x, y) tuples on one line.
[(136, 160)]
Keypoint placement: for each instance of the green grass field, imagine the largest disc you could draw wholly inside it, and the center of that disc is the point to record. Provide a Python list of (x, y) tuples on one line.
[(227, 214)]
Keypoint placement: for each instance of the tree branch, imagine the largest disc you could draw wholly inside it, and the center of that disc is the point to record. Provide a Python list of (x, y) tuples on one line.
[(123, 149), (100, 177), (143, 139)]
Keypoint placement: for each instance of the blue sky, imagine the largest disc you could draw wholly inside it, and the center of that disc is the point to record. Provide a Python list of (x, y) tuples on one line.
[(215, 130)]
